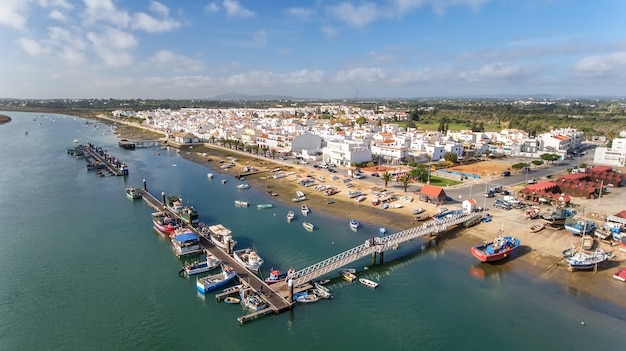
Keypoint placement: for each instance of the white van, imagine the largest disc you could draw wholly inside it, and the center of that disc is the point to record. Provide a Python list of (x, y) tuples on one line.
[(511, 199)]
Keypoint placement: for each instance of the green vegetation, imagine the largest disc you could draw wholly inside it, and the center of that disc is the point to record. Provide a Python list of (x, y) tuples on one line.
[(443, 181)]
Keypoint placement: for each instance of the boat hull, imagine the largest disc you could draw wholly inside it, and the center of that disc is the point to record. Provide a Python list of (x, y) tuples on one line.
[(213, 282), (486, 253)]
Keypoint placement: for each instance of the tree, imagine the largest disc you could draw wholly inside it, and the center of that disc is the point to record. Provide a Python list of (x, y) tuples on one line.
[(361, 121), (537, 163), (550, 157), (414, 116), (386, 177), (451, 157), (273, 153), (404, 179), (420, 172)]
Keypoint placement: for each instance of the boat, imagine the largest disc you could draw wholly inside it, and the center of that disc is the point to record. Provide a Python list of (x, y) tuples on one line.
[(233, 289), (382, 231), (223, 180), (354, 224), (305, 210), (290, 216), (251, 301), (264, 206), (422, 217), (368, 283), (299, 193), (209, 175), (620, 274), (197, 267), (322, 291), (240, 203), (587, 242), (185, 242), (190, 215), (359, 198), (307, 298), (579, 226), (220, 236), (132, 193), (537, 228), (582, 260), (248, 258), (375, 201), (299, 199), (212, 282), (603, 232), (396, 205), (243, 186), (308, 226), (558, 216), (126, 144), (532, 213), (348, 274), (384, 206), (232, 300), (277, 276), (164, 223), (353, 194), (496, 250), (418, 211)]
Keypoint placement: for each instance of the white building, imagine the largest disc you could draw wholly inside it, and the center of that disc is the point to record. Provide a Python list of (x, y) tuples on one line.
[(346, 152), (614, 156)]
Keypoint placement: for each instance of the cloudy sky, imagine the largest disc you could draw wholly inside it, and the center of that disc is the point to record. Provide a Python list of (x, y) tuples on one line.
[(311, 49)]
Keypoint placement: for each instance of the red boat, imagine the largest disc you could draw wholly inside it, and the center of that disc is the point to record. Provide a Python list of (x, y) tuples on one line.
[(163, 223), (276, 276), (620, 275), (500, 248)]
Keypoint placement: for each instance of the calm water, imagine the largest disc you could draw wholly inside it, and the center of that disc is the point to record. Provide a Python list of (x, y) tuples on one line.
[(81, 268)]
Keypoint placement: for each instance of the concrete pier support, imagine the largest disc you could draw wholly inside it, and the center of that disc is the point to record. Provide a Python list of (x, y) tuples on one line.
[(381, 258)]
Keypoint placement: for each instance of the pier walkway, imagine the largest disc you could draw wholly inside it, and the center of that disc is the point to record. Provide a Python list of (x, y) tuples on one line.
[(112, 164)]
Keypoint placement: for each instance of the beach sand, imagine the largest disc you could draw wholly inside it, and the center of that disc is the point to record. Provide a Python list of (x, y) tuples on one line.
[(540, 254)]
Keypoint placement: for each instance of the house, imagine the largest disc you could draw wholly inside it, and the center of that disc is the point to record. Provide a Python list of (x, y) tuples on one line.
[(469, 205), (432, 194)]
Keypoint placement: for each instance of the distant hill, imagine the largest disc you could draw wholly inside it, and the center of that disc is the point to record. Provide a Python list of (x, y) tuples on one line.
[(239, 97)]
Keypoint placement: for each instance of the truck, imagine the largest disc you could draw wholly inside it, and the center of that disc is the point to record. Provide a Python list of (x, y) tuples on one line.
[(511, 199)]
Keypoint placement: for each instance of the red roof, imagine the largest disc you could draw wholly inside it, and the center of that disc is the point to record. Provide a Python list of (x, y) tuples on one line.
[(621, 214), (431, 190)]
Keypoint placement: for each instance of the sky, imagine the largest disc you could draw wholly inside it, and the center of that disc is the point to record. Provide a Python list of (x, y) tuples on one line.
[(317, 49)]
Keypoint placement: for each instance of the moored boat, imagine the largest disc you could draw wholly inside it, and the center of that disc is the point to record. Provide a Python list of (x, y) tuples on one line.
[(251, 301), (307, 298), (348, 274), (220, 236), (299, 199), (132, 193), (223, 180), (382, 231), (232, 300), (264, 206), (233, 289), (212, 282), (422, 217), (186, 242), (368, 283), (290, 216), (308, 226), (305, 210), (496, 250), (582, 260), (620, 274), (243, 186), (209, 175), (354, 224), (164, 223), (241, 203), (197, 267), (248, 258), (322, 291)]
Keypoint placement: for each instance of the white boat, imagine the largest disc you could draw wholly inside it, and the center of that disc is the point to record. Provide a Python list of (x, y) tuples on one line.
[(264, 206), (251, 301), (368, 283), (348, 274), (248, 258), (197, 267), (299, 193), (215, 281), (186, 242), (396, 205), (308, 226), (231, 300), (224, 181), (305, 210), (382, 231), (209, 175), (233, 289), (307, 298), (290, 216), (241, 203), (581, 260), (243, 186), (322, 291), (359, 198), (354, 224), (220, 236)]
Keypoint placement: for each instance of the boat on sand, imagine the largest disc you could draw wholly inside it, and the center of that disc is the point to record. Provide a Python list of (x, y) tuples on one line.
[(496, 250)]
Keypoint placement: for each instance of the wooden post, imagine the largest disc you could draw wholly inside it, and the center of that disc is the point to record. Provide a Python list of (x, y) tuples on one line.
[(145, 185)]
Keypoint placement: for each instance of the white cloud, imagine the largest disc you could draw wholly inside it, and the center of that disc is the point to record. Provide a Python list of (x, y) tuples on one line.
[(361, 74), (212, 8), (55, 3), (32, 47), (159, 8), (234, 9), (496, 71), (329, 31), (57, 15), (612, 65), (152, 25), (71, 56), (179, 63), (13, 13), (301, 13), (105, 11), (355, 16), (111, 46)]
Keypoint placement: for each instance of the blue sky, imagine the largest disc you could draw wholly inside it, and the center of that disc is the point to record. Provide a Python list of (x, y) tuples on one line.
[(311, 49)]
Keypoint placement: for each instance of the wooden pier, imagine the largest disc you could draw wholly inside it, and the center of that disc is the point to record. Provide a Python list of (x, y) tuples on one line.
[(113, 165)]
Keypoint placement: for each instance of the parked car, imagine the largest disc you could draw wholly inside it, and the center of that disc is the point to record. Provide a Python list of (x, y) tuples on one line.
[(504, 192), (490, 194), (375, 175), (506, 173), (532, 181)]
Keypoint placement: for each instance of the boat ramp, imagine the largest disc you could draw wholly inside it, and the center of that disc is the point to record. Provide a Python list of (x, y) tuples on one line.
[(279, 296)]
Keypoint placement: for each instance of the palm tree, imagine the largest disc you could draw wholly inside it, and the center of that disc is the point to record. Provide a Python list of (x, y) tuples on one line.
[(273, 152), (405, 179), (386, 178)]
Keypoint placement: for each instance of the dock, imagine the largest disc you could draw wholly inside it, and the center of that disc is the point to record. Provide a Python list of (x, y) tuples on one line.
[(104, 160)]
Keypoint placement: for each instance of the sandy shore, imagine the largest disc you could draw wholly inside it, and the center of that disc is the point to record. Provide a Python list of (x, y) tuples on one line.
[(540, 253)]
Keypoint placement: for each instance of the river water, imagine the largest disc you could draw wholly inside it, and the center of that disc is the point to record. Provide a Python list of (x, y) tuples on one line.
[(82, 269)]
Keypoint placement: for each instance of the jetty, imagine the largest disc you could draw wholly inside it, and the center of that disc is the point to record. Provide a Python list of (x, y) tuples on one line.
[(98, 158), (279, 296)]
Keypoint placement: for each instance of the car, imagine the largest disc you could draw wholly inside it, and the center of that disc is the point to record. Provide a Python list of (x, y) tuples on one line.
[(303, 162), (506, 173), (505, 192), (375, 175), (502, 206), (490, 194), (532, 181)]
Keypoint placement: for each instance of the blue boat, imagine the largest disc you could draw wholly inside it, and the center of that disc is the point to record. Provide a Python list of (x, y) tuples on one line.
[(212, 282), (382, 231), (579, 226), (354, 224)]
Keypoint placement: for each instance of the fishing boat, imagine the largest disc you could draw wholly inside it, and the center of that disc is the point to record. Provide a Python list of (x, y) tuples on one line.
[(209, 175), (164, 223), (532, 212), (537, 228), (290, 216), (240, 203), (308, 226), (557, 217), (132, 193), (417, 211), (620, 274), (354, 224), (368, 283), (248, 258), (422, 217), (223, 180), (212, 282), (185, 242), (189, 214), (277, 276), (382, 231), (307, 298), (359, 198), (353, 194), (587, 242), (582, 260), (232, 300), (299, 194), (299, 199), (348, 274), (264, 206), (579, 226), (220, 236), (496, 250), (305, 210), (251, 301), (243, 186), (197, 267)]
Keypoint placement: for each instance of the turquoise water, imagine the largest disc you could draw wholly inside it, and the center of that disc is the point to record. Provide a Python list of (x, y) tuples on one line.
[(82, 269)]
